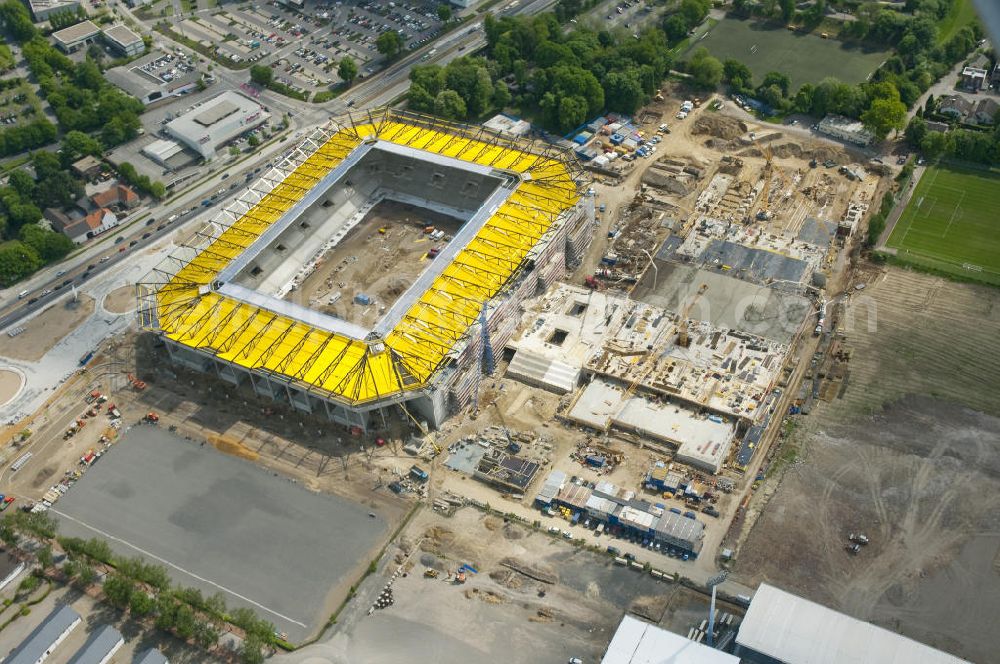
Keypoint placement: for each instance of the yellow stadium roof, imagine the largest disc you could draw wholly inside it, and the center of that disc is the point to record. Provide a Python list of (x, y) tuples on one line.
[(352, 370)]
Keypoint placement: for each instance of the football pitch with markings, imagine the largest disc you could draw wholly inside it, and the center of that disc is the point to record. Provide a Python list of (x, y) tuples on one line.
[(952, 223)]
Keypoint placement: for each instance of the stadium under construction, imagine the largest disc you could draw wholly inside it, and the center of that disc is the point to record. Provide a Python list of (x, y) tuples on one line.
[(224, 302)]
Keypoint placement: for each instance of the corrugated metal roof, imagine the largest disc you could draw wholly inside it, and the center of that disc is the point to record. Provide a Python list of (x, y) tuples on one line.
[(152, 656), (794, 630), (42, 637), (638, 642), (101, 644)]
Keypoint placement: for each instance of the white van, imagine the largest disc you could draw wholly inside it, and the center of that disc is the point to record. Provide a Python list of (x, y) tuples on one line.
[(23, 294)]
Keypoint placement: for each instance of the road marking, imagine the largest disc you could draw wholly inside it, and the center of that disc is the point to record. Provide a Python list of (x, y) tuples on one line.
[(179, 569)]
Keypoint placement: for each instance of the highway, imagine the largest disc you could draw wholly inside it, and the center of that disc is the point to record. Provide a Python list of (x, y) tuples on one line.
[(55, 281)]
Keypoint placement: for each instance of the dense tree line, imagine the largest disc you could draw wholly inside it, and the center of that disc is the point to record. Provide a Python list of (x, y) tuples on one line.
[(560, 78), (981, 147)]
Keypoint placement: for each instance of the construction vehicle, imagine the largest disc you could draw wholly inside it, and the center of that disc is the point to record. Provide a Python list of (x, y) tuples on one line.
[(592, 283), (858, 538), (430, 573), (151, 417)]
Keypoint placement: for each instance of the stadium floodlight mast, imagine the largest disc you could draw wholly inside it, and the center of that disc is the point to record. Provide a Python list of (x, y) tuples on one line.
[(712, 583)]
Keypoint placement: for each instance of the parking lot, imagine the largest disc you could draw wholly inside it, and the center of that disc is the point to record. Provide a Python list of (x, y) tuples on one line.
[(222, 524), (18, 105), (304, 47)]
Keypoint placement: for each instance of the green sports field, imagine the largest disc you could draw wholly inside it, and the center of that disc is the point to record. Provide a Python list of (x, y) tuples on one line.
[(952, 223), (805, 58)]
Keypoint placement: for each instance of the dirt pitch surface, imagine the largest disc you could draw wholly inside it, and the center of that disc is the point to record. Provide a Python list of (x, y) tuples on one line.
[(45, 330), (10, 385), (121, 300), (224, 525), (380, 265), (910, 456)]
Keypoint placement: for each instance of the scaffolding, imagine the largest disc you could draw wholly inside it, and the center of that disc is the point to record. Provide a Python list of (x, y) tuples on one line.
[(180, 300)]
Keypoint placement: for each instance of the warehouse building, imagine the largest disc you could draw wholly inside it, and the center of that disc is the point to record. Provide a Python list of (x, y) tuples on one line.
[(44, 638), (100, 647), (638, 642), (125, 42), (41, 10), (75, 37), (211, 125), (520, 218), (623, 513), (782, 628)]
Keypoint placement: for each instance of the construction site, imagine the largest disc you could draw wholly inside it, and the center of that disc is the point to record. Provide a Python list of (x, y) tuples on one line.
[(217, 302), (406, 312)]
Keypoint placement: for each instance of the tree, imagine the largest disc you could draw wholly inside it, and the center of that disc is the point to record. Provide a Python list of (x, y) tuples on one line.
[(737, 74), (347, 70), (17, 20), (934, 145), (49, 245), (141, 604), (44, 557), (787, 10), (77, 144), (252, 650), (883, 116), (444, 13), (389, 44), (118, 590), (450, 105), (623, 92), (706, 70), (501, 95), (17, 260), (261, 75)]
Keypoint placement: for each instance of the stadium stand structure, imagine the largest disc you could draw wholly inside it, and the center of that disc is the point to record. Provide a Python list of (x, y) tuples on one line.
[(216, 305)]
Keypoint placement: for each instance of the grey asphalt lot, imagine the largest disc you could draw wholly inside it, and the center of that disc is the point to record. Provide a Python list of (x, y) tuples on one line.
[(222, 524)]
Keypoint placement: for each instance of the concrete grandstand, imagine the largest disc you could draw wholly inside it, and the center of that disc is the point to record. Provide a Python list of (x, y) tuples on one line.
[(225, 304)]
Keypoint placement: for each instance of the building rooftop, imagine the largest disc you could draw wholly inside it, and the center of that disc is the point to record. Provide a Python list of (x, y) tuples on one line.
[(793, 630), (152, 656), (99, 647), (75, 33), (35, 647), (121, 34), (638, 642)]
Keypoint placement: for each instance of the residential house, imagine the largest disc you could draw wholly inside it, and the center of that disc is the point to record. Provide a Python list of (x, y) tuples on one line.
[(81, 227), (120, 196), (973, 78), (986, 112), (955, 106)]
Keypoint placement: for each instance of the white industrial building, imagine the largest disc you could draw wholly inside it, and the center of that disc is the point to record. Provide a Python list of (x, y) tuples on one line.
[(76, 36), (41, 10), (845, 129), (638, 642), (782, 628), (121, 38), (214, 123)]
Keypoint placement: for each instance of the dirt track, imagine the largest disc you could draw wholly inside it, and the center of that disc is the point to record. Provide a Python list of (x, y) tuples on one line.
[(45, 330), (903, 458)]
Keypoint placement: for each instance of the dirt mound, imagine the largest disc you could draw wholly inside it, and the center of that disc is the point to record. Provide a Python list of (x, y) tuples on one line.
[(487, 596), (512, 532), (533, 571), (721, 126), (650, 607), (508, 578), (491, 523), (794, 150)]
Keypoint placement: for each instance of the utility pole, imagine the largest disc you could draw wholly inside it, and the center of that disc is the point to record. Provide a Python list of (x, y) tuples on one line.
[(713, 583)]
